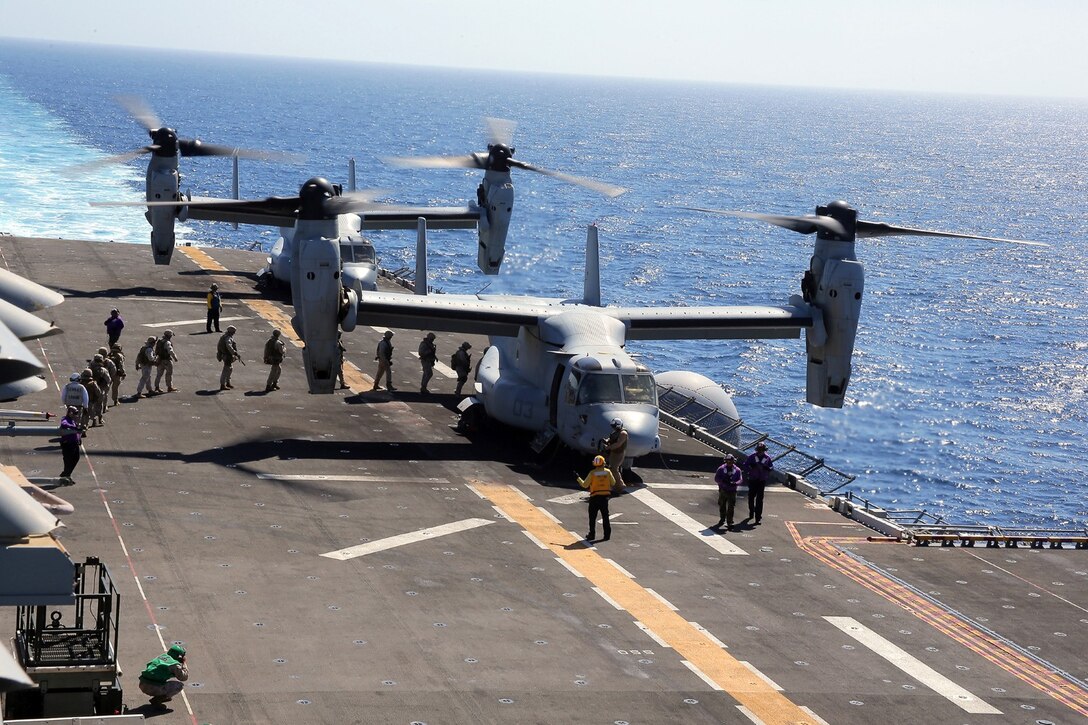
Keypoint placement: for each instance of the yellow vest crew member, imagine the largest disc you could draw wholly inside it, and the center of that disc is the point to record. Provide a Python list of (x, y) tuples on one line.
[(599, 482)]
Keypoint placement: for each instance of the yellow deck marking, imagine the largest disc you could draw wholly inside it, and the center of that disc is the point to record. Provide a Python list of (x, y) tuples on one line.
[(720, 668)]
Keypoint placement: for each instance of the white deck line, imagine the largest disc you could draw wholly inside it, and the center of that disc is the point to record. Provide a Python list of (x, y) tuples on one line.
[(621, 570), (819, 720), (706, 633), (755, 671), (445, 370), (661, 599), (570, 568), (650, 633), (393, 542), (569, 498), (201, 321), (703, 676), (346, 478), (914, 667), (535, 540), (750, 715), (685, 522), (607, 598)]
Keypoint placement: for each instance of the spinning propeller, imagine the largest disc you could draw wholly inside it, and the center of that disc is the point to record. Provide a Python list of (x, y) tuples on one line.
[(839, 222), (499, 157), (165, 141)]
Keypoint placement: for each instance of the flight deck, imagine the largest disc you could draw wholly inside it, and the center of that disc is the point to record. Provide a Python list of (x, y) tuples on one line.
[(352, 558)]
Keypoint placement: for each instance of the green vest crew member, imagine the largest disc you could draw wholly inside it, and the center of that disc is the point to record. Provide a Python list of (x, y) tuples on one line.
[(599, 482), (162, 679)]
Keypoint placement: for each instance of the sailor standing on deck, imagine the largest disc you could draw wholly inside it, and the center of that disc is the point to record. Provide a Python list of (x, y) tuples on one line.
[(118, 358), (616, 445), (728, 477), (114, 324), (384, 356), (164, 350), (461, 362), (428, 356), (599, 481), (274, 352), (227, 353), (145, 360), (163, 677), (215, 304), (74, 395), (757, 469), (69, 443)]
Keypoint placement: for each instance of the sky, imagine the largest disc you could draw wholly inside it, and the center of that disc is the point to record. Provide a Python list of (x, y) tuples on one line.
[(1002, 47)]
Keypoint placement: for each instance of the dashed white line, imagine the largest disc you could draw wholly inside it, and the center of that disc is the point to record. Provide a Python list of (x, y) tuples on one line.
[(706, 633), (607, 598), (750, 715), (652, 635), (535, 540), (819, 720), (571, 569), (661, 599), (752, 668), (703, 676), (621, 570)]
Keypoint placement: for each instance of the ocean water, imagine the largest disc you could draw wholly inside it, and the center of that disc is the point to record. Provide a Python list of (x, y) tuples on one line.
[(971, 368)]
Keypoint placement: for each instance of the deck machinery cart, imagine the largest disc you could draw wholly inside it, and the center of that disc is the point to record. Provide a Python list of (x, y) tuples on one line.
[(70, 652)]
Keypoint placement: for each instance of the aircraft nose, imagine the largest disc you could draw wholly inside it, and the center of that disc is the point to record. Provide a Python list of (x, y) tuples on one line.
[(642, 431)]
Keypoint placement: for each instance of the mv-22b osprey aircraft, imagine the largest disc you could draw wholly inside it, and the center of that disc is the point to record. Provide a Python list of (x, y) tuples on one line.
[(560, 368), (322, 219)]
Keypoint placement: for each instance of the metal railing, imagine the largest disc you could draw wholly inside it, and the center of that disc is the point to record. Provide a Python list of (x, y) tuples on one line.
[(811, 474)]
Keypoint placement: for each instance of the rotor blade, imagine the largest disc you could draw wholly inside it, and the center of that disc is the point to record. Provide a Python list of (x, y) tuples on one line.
[(196, 147), (800, 224), (471, 161), (599, 186), (355, 201), (139, 110), (115, 159), (880, 229), (500, 130)]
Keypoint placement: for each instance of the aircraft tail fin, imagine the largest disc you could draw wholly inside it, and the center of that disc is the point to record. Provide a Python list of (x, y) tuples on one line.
[(592, 286), (421, 256)]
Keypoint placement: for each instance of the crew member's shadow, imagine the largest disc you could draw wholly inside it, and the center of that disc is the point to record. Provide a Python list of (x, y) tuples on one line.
[(149, 711)]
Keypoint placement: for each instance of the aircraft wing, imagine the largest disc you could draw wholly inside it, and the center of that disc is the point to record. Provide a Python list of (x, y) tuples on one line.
[(504, 316), (451, 313), (438, 217), (699, 323), (271, 212)]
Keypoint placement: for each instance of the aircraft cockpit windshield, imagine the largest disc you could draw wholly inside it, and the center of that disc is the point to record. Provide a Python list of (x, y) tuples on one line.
[(357, 250), (617, 388)]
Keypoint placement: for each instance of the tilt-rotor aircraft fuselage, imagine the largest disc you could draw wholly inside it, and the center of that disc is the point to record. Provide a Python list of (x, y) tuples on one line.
[(560, 367)]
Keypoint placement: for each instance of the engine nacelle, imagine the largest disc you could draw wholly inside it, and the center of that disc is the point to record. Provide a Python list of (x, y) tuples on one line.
[(162, 185), (496, 197), (829, 344), (316, 293)]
